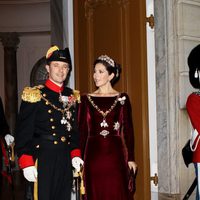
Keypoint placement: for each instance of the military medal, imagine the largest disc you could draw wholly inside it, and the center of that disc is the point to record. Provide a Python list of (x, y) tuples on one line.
[(69, 127), (63, 120), (66, 113), (67, 102)]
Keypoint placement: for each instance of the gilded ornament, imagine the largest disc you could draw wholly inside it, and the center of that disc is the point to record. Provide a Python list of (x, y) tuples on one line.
[(63, 138), (76, 94), (31, 94)]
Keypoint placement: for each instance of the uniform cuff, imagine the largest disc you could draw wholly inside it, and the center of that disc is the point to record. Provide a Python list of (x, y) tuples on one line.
[(25, 161), (75, 153)]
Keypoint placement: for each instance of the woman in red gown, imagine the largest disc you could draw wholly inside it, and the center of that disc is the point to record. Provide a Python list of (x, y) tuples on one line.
[(107, 140)]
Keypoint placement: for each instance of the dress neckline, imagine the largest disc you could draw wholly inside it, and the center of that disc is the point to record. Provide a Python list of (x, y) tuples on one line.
[(116, 95)]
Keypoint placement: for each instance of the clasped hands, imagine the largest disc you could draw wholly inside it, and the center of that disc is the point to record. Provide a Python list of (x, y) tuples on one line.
[(30, 173)]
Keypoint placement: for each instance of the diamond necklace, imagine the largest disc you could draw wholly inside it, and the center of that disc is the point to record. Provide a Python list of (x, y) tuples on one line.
[(104, 114)]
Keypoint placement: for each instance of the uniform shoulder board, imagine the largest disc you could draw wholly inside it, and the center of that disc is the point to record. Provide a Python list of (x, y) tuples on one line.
[(76, 94), (32, 94)]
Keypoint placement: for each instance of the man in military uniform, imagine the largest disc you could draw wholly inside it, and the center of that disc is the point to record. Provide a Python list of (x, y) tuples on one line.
[(47, 137)]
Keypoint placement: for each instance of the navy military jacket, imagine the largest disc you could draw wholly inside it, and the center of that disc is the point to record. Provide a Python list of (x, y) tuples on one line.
[(43, 121)]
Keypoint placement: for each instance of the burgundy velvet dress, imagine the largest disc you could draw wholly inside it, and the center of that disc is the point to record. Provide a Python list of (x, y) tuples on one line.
[(107, 145)]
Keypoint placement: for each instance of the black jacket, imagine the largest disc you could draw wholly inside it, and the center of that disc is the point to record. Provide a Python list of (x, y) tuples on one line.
[(40, 122), (4, 128)]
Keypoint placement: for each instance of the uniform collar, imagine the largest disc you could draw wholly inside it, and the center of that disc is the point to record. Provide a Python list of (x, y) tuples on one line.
[(52, 86)]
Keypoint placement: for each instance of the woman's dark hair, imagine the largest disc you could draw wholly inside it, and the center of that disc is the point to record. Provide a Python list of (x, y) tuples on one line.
[(111, 67)]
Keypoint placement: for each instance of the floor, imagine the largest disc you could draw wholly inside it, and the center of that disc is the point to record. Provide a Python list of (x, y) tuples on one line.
[(14, 191)]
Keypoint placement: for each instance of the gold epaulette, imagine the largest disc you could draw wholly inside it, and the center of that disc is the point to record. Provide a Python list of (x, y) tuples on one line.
[(76, 94), (32, 94)]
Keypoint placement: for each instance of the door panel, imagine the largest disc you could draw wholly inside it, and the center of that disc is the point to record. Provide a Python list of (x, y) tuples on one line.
[(117, 28)]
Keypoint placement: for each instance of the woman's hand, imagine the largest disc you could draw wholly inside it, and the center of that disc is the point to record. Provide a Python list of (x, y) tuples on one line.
[(132, 165)]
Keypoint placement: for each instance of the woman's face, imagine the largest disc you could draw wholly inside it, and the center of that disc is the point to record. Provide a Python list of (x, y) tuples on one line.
[(58, 71), (101, 75)]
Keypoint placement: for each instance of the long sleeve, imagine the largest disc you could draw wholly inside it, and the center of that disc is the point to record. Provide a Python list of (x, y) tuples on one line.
[(83, 123), (24, 133), (75, 137), (128, 128), (25, 128)]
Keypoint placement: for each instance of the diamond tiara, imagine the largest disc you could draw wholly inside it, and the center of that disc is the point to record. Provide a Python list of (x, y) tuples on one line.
[(107, 59)]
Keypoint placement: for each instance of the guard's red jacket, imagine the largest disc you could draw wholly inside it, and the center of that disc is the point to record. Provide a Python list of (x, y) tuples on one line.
[(193, 109)]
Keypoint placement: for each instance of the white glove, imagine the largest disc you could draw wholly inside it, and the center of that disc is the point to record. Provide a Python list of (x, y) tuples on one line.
[(9, 139), (30, 173), (77, 163)]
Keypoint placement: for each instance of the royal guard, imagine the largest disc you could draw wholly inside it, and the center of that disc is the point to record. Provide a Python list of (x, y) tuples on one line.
[(47, 137), (193, 110)]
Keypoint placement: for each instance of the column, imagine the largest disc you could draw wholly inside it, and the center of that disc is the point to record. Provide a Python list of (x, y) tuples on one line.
[(10, 42), (56, 9)]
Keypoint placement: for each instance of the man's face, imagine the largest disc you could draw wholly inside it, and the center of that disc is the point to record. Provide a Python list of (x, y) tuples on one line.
[(58, 71)]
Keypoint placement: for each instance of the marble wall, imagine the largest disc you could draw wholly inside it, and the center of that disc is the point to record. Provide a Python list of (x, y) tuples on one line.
[(176, 33)]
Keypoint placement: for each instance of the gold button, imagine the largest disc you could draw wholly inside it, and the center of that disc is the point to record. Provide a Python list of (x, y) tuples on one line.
[(44, 95), (47, 103), (68, 143), (63, 138), (37, 146), (51, 120), (54, 134), (55, 142), (53, 127), (49, 111)]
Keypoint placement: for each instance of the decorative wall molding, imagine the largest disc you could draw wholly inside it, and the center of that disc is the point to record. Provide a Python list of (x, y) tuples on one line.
[(17, 2), (123, 2), (190, 2), (188, 37), (91, 5)]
